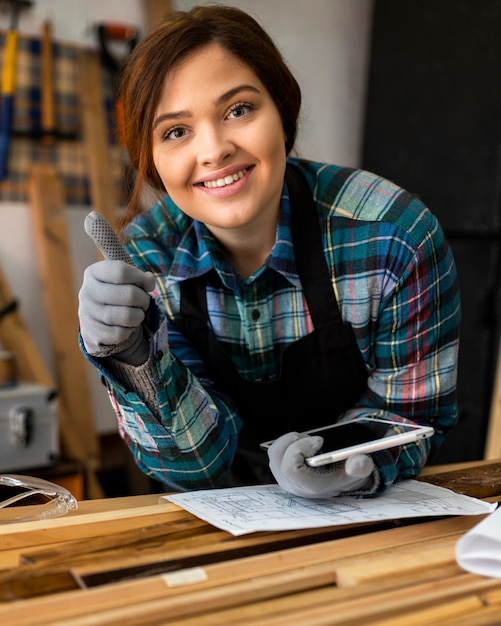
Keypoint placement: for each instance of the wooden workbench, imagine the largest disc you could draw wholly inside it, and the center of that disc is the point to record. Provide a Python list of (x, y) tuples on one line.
[(146, 563)]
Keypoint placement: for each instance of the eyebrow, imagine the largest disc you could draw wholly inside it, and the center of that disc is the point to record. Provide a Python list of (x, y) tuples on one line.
[(227, 95)]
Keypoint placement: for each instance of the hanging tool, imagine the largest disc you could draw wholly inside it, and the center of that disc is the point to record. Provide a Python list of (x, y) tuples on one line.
[(47, 102), (9, 83)]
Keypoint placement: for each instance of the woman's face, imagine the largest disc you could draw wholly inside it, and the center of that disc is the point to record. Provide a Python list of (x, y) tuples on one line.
[(219, 143)]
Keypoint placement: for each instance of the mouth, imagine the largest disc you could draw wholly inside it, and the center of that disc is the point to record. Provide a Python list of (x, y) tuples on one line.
[(225, 180)]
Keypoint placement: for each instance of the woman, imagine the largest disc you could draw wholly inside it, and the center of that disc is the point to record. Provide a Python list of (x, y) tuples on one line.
[(287, 294)]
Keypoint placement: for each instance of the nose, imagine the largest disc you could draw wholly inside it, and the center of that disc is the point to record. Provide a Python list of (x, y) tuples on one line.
[(214, 145)]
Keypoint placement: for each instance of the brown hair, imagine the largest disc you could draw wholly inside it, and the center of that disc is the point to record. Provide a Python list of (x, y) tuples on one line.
[(179, 35)]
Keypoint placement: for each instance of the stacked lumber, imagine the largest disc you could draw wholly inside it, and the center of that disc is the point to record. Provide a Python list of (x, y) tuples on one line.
[(135, 561)]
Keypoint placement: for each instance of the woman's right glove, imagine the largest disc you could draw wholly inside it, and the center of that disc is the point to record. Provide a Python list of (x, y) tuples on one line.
[(113, 299)]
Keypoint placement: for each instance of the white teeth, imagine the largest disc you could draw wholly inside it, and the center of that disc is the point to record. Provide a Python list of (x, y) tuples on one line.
[(227, 180)]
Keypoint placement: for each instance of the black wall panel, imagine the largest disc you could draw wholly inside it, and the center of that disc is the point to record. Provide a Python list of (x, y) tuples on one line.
[(433, 125)]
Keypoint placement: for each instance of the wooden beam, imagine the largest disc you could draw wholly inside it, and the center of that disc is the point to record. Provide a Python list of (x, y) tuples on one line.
[(284, 584), (95, 135), (155, 12), (55, 266), (24, 535), (493, 440)]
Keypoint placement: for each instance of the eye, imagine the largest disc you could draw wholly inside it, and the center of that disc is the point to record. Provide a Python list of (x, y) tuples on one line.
[(177, 132), (240, 110)]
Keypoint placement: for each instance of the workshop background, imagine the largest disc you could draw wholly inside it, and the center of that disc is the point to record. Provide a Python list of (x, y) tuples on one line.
[(409, 90)]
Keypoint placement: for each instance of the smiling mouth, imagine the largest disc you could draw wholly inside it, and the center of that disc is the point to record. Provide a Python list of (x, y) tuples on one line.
[(226, 180)]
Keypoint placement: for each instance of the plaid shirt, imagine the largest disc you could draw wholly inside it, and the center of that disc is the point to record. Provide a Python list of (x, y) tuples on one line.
[(394, 279)]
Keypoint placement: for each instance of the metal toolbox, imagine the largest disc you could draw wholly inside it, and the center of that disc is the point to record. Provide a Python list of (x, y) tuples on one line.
[(29, 434)]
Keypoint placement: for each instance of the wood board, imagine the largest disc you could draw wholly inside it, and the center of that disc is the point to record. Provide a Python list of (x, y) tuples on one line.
[(493, 439), (359, 575), (60, 297), (95, 135), (284, 586)]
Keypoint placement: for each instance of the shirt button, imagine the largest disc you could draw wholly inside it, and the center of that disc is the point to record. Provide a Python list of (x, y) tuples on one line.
[(255, 315)]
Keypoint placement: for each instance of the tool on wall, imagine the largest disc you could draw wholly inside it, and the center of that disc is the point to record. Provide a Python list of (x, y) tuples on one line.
[(47, 98), (9, 82), (48, 130)]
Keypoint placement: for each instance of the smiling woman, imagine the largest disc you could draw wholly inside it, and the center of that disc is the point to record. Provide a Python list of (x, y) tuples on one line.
[(270, 295)]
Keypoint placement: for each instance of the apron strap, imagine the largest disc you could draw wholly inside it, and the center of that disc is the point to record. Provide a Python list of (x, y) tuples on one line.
[(308, 249)]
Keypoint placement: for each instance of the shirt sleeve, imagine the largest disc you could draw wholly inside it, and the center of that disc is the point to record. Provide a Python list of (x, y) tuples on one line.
[(413, 364), (187, 437)]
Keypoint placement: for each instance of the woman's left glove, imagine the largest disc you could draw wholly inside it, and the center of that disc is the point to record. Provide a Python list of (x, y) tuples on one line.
[(287, 462)]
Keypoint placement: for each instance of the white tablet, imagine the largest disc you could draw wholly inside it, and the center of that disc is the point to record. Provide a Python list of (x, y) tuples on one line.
[(345, 439)]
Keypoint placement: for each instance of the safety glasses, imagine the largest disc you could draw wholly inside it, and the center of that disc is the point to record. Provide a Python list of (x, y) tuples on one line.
[(59, 500)]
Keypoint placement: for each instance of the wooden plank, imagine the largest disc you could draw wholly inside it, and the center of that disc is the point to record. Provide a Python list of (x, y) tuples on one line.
[(469, 605), (225, 585), (482, 481), (175, 553), (150, 552), (369, 605), (299, 596), (155, 12), (273, 576), (400, 572), (121, 542), (55, 266), (74, 527), (430, 470), (493, 439), (166, 554), (362, 605), (488, 616), (116, 607), (404, 572), (95, 135), (395, 562), (55, 576)]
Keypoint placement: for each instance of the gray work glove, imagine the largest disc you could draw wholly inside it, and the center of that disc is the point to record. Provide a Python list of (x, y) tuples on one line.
[(113, 299), (287, 462)]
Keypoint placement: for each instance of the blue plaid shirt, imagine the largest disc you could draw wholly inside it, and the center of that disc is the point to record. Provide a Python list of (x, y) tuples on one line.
[(395, 282)]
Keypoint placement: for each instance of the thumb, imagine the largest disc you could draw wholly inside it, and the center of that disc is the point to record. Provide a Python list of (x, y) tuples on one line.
[(103, 235), (149, 281), (359, 465)]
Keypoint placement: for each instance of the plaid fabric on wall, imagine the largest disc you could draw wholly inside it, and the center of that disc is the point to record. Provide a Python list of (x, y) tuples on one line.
[(67, 152)]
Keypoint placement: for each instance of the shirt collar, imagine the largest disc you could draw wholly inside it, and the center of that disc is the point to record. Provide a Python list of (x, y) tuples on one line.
[(199, 252)]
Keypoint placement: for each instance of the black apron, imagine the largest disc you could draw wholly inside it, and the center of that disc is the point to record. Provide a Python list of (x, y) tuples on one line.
[(322, 374)]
